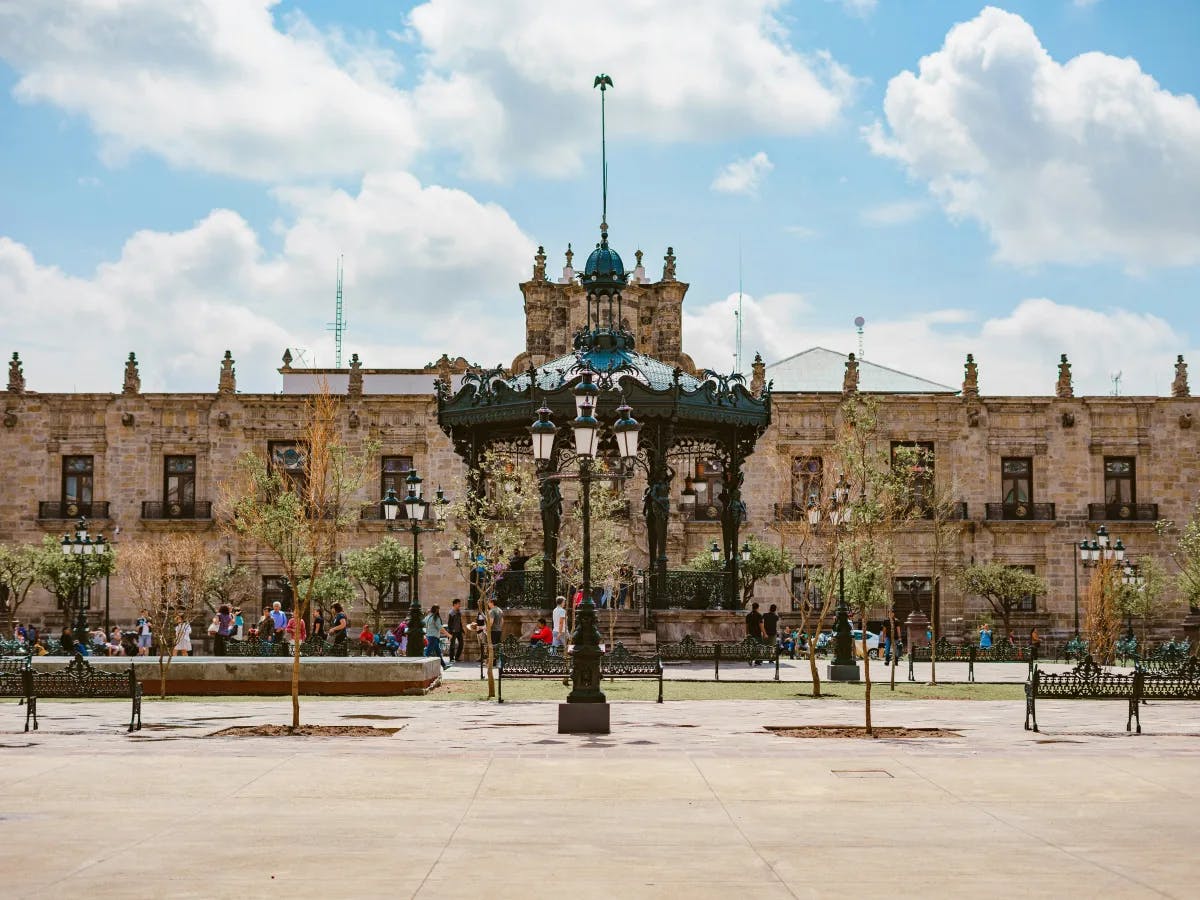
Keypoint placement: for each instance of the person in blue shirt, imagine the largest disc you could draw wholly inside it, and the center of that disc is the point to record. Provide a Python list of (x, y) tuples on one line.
[(985, 637)]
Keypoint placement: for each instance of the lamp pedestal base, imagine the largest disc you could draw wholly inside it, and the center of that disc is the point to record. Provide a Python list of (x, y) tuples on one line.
[(842, 673), (583, 718)]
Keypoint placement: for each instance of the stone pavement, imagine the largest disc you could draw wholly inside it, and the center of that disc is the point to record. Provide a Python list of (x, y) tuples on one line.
[(690, 799)]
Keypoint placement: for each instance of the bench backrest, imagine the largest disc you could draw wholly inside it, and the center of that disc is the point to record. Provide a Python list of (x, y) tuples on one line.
[(79, 679), (1086, 680), (621, 662), (1182, 684), (531, 661)]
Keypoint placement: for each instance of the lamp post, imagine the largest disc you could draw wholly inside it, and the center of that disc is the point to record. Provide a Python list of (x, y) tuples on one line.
[(1102, 551), (586, 709), (844, 666), (414, 508), (82, 546)]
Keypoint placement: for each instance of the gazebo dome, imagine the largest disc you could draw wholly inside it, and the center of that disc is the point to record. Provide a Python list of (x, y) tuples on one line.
[(604, 263)]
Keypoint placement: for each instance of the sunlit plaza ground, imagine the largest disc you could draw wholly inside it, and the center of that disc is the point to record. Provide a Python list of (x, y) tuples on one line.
[(683, 799)]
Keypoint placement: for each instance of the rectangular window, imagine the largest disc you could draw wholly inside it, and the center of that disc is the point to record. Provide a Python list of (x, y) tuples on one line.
[(77, 472), (807, 481), (1026, 604), (397, 596), (290, 458), (179, 485), (1016, 480), (806, 588), (917, 457), (392, 472), (1119, 480)]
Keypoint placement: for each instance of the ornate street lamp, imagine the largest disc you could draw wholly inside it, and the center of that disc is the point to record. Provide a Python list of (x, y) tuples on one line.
[(82, 546), (1103, 549), (715, 552), (585, 670), (415, 508)]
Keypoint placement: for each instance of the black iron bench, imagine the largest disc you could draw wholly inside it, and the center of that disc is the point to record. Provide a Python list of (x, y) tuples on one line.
[(1167, 659), (516, 661), (750, 650), (620, 663), (78, 680), (1182, 684), (1087, 681), (972, 653), (12, 676)]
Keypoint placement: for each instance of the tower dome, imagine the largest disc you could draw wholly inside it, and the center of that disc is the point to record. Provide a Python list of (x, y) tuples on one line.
[(604, 263)]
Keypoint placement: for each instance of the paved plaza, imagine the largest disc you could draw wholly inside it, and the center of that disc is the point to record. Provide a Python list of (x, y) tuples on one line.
[(684, 799)]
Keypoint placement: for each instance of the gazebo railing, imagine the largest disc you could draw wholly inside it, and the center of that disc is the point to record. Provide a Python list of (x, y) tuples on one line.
[(685, 589)]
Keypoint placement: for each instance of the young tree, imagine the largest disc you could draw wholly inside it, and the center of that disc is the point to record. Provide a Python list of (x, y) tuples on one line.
[(1185, 556), (1145, 598), (297, 512), (229, 585), (377, 570), (765, 561), (492, 520), (59, 574), (1002, 586), (1102, 618), (167, 577), (18, 573)]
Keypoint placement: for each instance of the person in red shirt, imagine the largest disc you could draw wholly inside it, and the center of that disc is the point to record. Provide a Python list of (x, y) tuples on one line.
[(541, 634), (291, 630)]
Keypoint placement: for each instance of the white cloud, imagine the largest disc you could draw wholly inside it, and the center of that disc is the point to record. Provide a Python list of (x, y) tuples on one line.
[(900, 212), (859, 8), (511, 83), (743, 176), (802, 232), (1017, 352), (213, 85), (1080, 162), (1083, 4), (225, 86), (429, 267)]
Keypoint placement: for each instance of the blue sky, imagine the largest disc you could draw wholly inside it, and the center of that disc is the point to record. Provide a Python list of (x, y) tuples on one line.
[(176, 179)]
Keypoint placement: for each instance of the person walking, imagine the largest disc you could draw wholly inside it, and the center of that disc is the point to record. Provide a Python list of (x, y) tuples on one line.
[(239, 624), (495, 621), (559, 619), (454, 626), (754, 627), (319, 624), (145, 637), (183, 637), (1035, 644), (771, 625), (337, 631), (225, 628), (434, 629)]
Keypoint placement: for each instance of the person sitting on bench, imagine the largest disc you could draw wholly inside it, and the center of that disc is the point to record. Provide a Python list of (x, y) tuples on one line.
[(541, 635)]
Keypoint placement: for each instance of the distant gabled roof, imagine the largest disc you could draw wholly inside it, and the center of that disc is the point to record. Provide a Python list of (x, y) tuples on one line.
[(822, 371)]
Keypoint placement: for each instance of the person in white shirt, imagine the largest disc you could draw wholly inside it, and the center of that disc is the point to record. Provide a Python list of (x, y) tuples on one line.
[(183, 637), (560, 623)]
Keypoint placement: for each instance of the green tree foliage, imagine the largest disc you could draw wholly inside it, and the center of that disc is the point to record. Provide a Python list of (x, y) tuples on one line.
[(1147, 599), (1186, 557), (228, 584), (18, 573), (60, 573), (765, 561), (1002, 586), (376, 570)]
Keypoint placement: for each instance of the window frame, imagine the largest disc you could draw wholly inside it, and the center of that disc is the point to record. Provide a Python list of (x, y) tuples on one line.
[(806, 477), (1027, 477), (1129, 479), (86, 486), (802, 573), (184, 478)]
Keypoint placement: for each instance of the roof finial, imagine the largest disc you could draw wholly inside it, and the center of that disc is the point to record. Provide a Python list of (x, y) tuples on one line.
[(603, 82)]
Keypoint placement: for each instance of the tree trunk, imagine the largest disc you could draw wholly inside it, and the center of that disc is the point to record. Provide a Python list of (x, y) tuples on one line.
[(866, 676), (162, 676), (490, 658), (295, 670), (895, 644), (812, 667)]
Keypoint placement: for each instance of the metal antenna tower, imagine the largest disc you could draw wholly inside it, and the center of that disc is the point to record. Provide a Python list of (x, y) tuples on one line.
[(737, 351), (338, 325), (859, 322), (603, 82)]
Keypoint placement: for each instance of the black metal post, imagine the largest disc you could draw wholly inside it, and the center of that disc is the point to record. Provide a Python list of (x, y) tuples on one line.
[(81, 635), (843, 644), (585, 672), (1075, 558), (416, 628)]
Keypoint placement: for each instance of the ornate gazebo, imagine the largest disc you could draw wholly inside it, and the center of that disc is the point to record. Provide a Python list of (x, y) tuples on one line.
[(682, 417)]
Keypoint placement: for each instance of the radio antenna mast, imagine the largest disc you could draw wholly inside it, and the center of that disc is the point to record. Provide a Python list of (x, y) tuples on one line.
[(737, 352), (338, 325)]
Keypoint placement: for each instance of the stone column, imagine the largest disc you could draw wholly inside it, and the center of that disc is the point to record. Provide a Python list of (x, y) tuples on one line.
[(916, 629)]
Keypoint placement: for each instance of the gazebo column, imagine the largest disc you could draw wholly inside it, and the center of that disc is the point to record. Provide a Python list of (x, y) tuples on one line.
[(732, 513), (475, 488), (656, 507), (551, 509)]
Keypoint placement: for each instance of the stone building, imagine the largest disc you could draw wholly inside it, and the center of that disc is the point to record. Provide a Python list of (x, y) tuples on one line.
[(1033, 475)]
